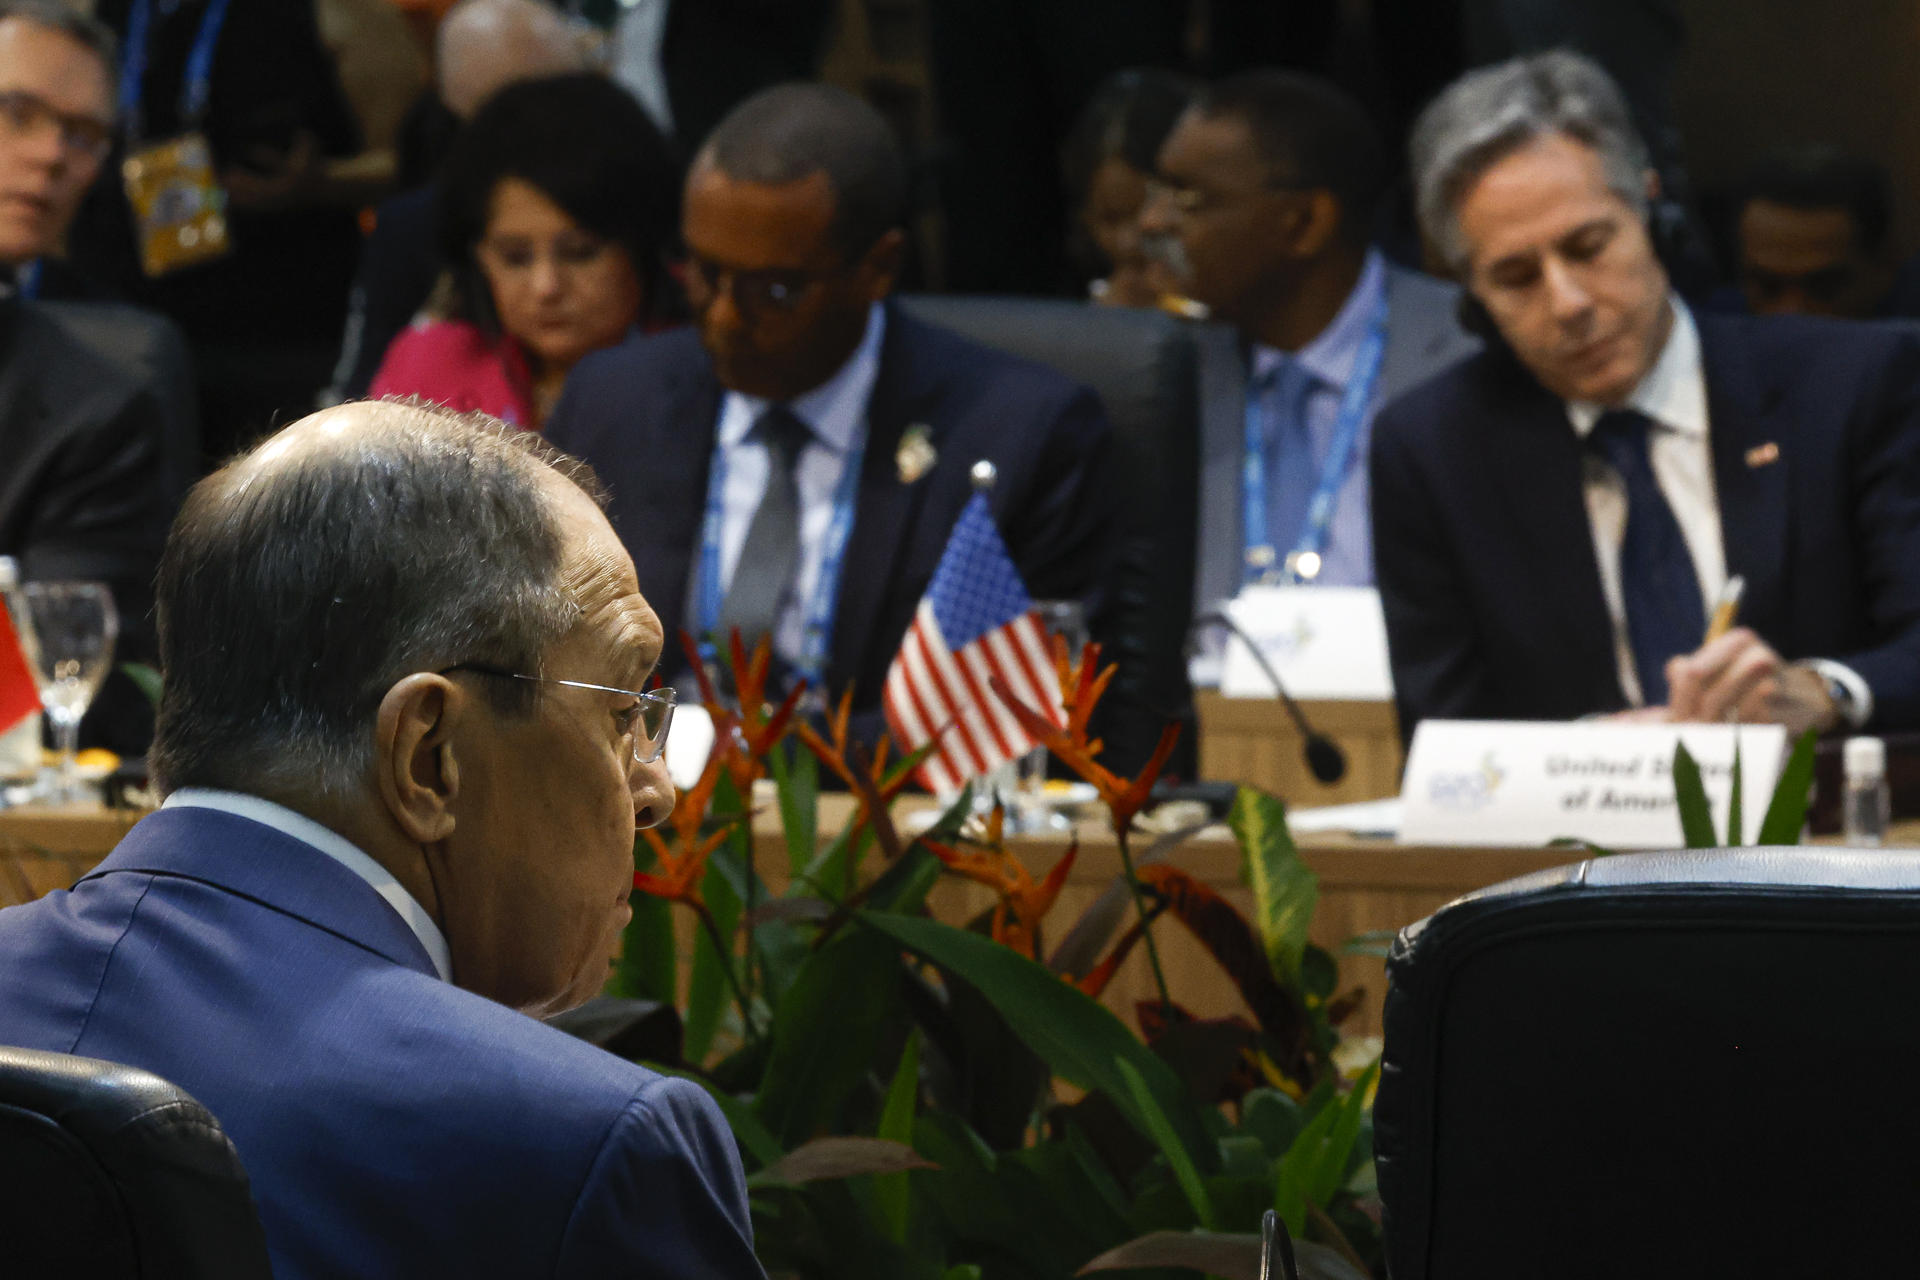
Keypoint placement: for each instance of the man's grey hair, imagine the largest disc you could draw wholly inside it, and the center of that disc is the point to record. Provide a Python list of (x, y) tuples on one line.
[(83, 28), (1489, 114), (295, 591)]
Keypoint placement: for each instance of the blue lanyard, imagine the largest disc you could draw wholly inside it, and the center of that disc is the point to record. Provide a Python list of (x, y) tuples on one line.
[(26, 281), (818, 637), (1259, 562), (196, 88)]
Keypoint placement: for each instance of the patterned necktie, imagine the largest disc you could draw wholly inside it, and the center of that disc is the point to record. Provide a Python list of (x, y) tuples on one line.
[(1291, 468), (1665, 612), (770, 556)]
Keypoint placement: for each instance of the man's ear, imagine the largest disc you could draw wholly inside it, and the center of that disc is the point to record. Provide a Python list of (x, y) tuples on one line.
[(1312, 223), (416, 765), (881, 266)]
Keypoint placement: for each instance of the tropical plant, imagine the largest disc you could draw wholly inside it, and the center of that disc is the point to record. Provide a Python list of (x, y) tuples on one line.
[(914, 1098), (1786, 814)]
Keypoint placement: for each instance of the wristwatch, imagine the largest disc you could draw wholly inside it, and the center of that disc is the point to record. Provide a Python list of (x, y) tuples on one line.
[(1844, 703)]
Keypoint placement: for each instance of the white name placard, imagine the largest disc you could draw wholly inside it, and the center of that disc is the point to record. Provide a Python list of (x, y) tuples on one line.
[(1495, 782), (1323, 642)]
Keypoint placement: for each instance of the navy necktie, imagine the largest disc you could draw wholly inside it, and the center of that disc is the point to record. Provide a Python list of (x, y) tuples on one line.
[(1291, 471), (1665, 612)]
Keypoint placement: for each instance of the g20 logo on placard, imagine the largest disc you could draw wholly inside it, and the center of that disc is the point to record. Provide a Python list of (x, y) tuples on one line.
[(1468, 791)]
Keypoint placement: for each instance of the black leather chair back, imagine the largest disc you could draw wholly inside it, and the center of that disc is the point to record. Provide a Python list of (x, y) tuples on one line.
[(108, 1173), (1675, 1064), (1142, 366)]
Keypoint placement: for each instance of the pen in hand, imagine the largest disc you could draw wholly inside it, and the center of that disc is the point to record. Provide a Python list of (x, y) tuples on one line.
[(1726, 609)]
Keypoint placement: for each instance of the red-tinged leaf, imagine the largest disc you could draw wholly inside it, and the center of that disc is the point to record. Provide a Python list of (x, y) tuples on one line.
[(1345, 1005), (1096, 979), (1235, 947), (1154, 1018), (844, 1157)]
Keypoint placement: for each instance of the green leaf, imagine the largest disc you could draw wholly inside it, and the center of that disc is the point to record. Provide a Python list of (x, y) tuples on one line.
[(964, 1271), (1315, 1165), (1079, 1039), (708, 990), (1160, 1129), (1329, 1170), (1736, 826), (1690, 796), (1787, 813), (903, 887), (896, 1125), (145, 677), (826, 1033), (796, 774), (1284, 891)]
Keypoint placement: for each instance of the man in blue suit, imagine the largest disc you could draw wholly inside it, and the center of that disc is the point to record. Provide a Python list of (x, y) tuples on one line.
[(793, 464), (405, 765), (1555, 518)]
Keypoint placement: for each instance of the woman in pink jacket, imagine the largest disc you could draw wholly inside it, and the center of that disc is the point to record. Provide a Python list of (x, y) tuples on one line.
[(557, 207)]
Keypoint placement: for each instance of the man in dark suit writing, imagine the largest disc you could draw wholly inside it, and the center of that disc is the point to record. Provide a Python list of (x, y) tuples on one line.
[(1554, 518), (404, 761), (793, 464)]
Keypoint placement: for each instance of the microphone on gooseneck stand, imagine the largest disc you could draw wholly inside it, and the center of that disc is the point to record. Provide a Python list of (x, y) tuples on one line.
[(1325, 760)]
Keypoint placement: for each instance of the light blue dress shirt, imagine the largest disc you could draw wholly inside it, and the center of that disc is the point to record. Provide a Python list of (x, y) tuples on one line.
[(836, 411), (1347, 560)]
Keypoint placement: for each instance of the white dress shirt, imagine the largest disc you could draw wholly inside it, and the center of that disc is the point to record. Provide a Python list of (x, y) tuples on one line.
[(335, 846), (1673, 395), (836, 411)]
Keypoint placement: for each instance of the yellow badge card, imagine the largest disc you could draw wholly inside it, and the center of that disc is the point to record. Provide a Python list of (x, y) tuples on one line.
[(179, 211)]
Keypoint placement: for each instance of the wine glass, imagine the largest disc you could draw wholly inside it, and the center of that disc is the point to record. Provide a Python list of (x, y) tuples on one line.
[(74, 628)]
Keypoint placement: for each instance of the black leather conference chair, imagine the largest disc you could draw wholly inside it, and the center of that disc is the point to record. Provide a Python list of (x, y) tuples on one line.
[(1675, 1064), (110, 1173), (1142, 366)]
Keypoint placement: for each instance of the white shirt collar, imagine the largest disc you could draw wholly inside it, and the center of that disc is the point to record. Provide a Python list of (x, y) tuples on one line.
[(335, 846), (836, 410), (1673, 392), (1330, 356)]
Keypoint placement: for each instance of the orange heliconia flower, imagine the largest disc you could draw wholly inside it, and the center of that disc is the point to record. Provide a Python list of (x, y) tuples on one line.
[(832, 752), (1081, 690), (1024, 901), (746, 734), (682, 865)]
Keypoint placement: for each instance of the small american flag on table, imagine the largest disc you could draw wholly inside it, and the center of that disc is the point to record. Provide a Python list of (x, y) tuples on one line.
[(976, 622)]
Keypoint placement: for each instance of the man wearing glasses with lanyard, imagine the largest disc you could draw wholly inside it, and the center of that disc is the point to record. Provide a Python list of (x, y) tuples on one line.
[(1266, 197), (793, 464)]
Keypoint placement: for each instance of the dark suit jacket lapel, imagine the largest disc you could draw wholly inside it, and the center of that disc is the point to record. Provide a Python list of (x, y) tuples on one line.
[(1549, 539), (670, 477), (1750, 481), (885, 509)]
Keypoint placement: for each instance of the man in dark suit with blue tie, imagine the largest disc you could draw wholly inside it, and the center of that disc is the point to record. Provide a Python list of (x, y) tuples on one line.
[(404, 760), (1554, 519), (793, 464)]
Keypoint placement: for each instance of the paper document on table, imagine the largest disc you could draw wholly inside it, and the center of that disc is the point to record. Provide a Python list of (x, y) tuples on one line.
[(1367, 818)]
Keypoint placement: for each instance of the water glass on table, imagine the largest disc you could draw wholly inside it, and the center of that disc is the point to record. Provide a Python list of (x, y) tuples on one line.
[(75, 627), (1030, 812)]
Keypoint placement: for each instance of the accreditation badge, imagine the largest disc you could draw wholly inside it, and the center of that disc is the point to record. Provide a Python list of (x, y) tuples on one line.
[(179, 211)]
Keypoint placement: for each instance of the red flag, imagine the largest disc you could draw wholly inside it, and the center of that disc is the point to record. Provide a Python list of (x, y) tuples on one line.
[(19, 695)]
